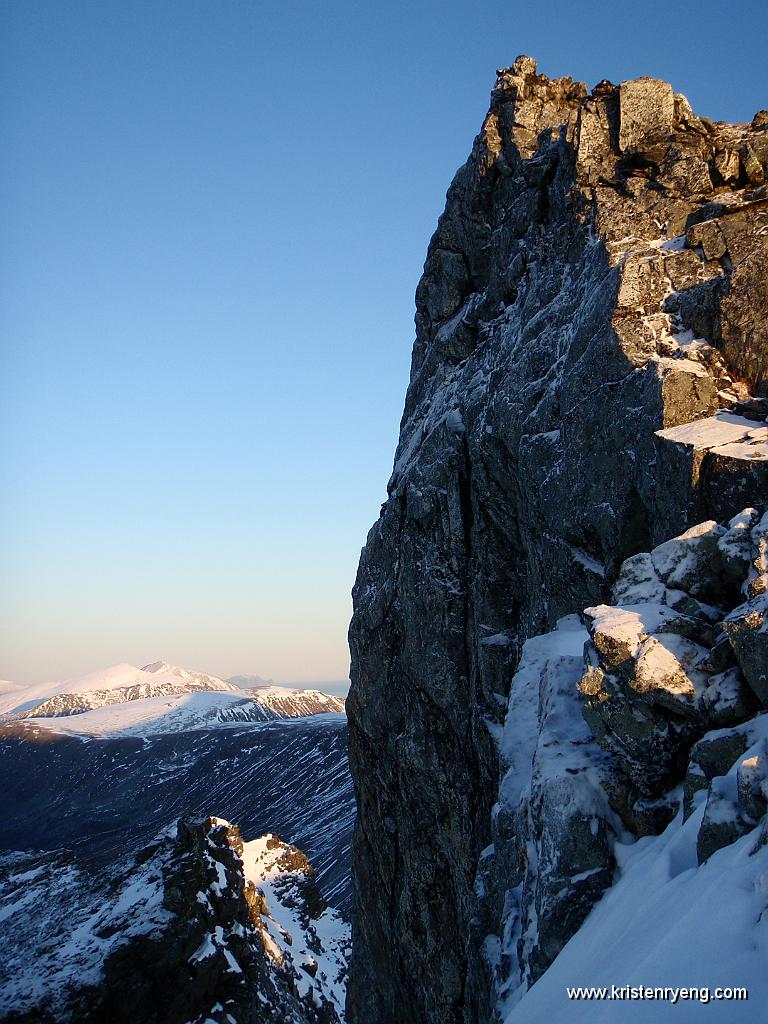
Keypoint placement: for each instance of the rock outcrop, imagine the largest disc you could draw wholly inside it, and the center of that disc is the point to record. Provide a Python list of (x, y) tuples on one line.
[(608, 714), (198, 927), (589, 380)]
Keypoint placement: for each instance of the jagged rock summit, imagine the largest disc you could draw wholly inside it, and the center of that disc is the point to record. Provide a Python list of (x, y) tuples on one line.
[(197, 927), (589, 381)]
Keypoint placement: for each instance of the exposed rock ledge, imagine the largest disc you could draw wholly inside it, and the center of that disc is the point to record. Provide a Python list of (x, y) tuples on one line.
[(609, 714), (588, 381)]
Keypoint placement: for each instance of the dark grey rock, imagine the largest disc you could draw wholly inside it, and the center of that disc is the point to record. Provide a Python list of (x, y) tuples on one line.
[(752, 785), (723, 822), (728, 699), (747, 629), (550, 357), (714, 755)]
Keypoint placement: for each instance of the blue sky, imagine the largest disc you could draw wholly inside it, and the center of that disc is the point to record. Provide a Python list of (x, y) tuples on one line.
[(214, 216)]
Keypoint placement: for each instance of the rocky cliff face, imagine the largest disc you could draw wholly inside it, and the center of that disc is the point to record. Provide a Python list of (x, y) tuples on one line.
[(588, 381)]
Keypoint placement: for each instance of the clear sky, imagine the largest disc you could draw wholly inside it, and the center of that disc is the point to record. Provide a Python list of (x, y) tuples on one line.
[(213, 217)]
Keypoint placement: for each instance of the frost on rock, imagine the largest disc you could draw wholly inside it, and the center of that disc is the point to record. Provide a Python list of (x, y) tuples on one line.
[(552, 826), (587, 382)]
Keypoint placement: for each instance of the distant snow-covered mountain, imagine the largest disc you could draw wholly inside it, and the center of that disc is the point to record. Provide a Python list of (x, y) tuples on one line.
[(96, 770), (202, 679), (158, 698), (247, 682)]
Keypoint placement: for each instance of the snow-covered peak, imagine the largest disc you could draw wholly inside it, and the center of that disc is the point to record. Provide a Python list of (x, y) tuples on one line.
[(159, 698), (202, 679)]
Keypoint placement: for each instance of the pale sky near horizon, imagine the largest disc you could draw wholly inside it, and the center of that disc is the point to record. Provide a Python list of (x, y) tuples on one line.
[(213, 218)]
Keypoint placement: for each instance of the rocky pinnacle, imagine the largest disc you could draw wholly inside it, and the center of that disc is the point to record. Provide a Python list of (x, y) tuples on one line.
[(588, 380)]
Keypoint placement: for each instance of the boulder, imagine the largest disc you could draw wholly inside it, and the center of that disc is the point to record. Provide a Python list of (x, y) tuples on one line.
[(649, 744), (723, 822), (708, 236), (747, 629), (690, 562), (727, 698), (712, 756), (647, 114), (752, 784), (736, 546)]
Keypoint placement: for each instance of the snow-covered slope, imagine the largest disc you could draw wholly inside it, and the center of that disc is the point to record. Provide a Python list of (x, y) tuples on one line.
[(666, 924), (313, 946), (125, 700)]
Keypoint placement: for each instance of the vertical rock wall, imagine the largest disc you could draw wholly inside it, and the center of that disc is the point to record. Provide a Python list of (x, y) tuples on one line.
[(582, 387)]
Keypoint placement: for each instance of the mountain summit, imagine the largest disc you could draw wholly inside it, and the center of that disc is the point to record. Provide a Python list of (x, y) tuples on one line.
[(155, 699), (589, 381)]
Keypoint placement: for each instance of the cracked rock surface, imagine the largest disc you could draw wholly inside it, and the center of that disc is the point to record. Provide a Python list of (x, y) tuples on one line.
[(588, 381)]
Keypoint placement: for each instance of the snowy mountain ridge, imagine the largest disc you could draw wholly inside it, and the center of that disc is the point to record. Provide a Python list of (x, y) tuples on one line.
[(158, 697), (202, 678), (238, 928)]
